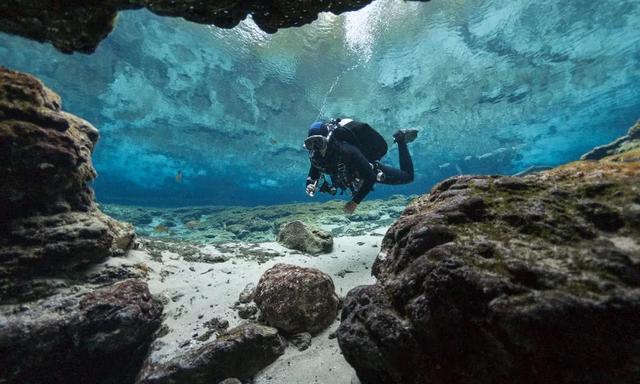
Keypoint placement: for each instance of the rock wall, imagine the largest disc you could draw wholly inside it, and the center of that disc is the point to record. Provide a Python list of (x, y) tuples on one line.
[(80, 26), (58, 324), (531, 279), (50, 223)]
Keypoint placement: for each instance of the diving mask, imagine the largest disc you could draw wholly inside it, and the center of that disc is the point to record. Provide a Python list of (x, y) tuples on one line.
[(316, 144)]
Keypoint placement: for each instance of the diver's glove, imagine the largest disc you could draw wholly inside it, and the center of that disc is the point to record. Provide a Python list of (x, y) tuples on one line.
[(312, 185), (311, 190)]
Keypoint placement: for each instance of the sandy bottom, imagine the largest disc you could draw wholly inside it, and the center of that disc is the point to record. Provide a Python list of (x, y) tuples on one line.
[(195, 292)]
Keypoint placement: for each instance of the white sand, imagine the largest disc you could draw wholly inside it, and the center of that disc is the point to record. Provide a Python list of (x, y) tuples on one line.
[(195, 292)]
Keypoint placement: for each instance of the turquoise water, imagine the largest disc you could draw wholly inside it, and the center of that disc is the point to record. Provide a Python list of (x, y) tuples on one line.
[(192, 115)]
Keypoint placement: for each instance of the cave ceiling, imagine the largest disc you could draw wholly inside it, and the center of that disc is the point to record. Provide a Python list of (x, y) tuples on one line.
[(80, 26)]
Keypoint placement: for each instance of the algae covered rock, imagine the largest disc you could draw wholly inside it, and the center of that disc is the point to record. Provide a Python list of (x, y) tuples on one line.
[(86, 337), (296, 299), (239, 353), (299, 236), (490, 279)]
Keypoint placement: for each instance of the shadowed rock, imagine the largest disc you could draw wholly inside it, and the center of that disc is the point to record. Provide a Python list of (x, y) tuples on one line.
[(296, 299), (240, 352), (89, 337), (80, 26), (507, 280)]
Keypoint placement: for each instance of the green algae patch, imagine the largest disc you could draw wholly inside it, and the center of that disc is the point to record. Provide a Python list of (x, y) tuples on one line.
[(218, 224), (550, 233)]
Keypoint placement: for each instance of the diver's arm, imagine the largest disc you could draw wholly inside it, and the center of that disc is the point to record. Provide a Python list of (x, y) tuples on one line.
[(364, 169), (312, 181), (314, 174)]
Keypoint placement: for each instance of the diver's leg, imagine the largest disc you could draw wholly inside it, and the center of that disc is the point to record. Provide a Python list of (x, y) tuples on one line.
[(406, 164), (395, 176)]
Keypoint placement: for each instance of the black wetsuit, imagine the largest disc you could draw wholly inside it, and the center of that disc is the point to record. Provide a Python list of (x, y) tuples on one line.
[(345, 163)]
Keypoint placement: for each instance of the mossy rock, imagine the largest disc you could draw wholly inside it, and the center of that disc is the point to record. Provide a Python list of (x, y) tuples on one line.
[(299, 236)]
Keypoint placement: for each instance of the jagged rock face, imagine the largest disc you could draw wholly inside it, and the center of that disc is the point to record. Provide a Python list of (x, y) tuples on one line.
[(299, 236), (80, 26), (240, 352), (90, 337), (504, 279), (49, 220), (296, 299)]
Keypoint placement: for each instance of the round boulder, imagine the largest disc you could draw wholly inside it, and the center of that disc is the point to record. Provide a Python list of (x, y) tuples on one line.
[(297, 235), (296, 299)]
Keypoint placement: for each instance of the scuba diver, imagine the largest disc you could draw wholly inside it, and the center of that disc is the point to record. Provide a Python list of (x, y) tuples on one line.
[(349, 152)]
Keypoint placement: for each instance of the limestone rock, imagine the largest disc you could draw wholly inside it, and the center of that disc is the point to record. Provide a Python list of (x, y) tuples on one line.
[(530, 279), (299, 236), (87, 337), (49, 220), (239, 353), (247, 311), (246, 296), (73, 26), (296, 299)]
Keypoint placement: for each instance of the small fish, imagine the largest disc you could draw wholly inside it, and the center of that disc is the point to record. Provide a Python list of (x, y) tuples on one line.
[(179, 177), (273, 141), (500, 150)]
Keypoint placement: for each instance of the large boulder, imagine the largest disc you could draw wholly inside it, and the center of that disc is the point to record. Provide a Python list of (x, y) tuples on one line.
[(299, 236), (239, 353), (80, 26), (50, 223), (296, 299), (85, 337), (531, 279)]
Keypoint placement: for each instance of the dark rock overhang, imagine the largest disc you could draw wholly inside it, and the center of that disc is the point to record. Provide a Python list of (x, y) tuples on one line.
[(80, 25)]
